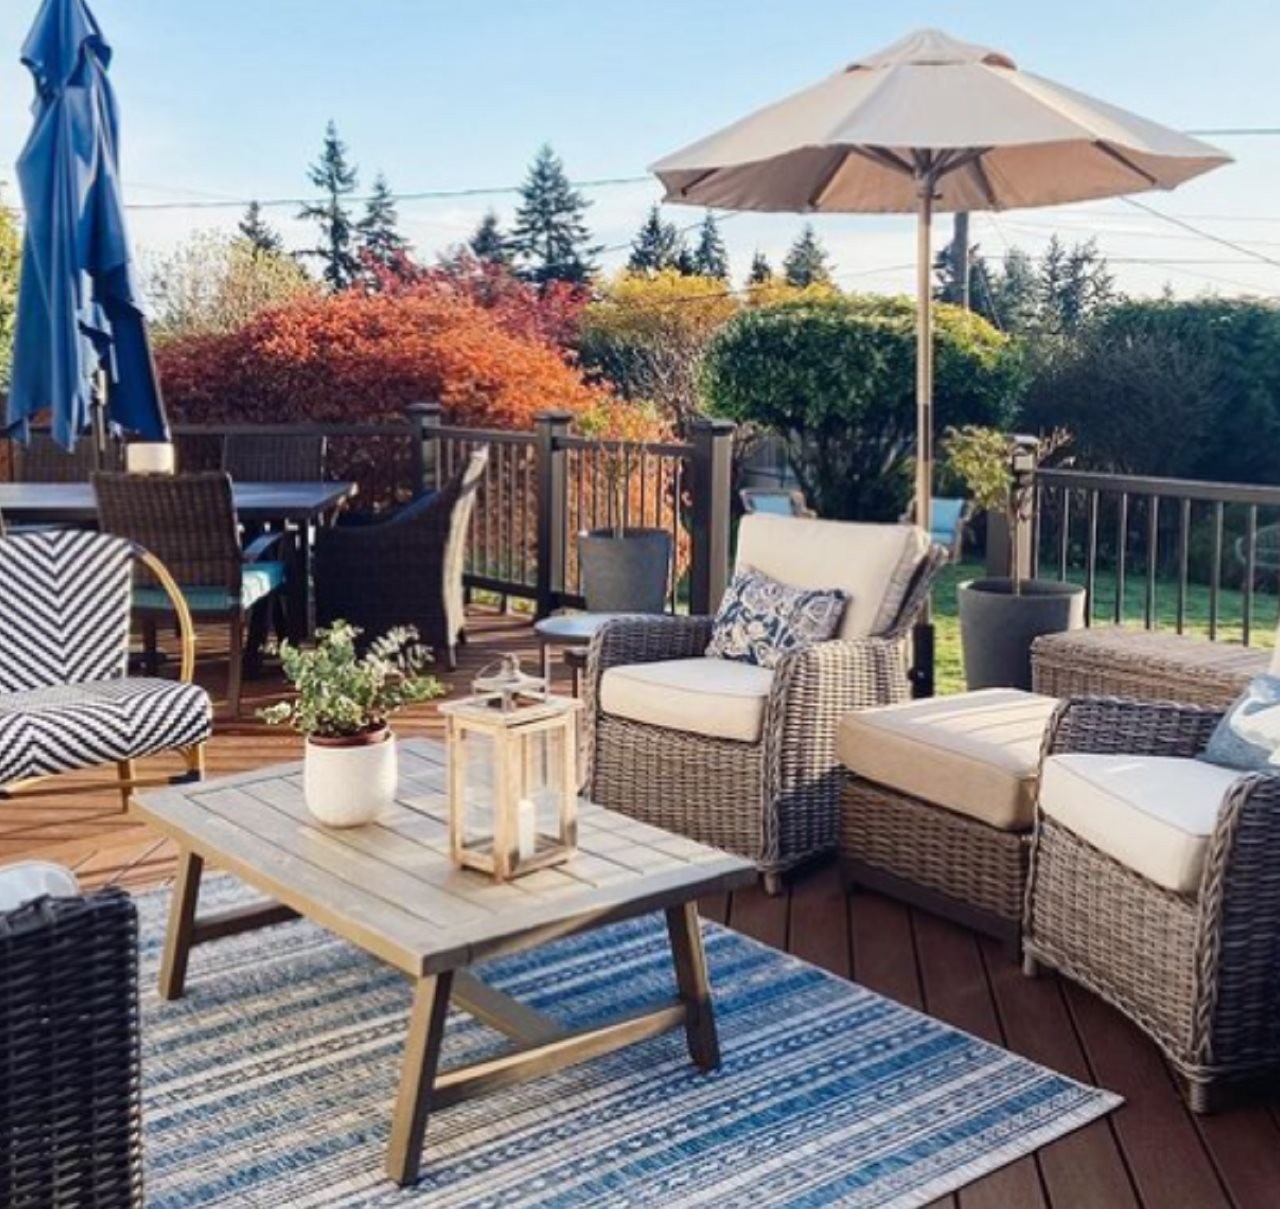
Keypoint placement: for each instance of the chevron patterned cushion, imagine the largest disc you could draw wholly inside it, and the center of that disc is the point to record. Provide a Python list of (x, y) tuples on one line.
[(257, 580), (73, 726), (64, 608)]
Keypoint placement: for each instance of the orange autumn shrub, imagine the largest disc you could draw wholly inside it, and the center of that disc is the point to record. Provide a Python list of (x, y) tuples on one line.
[(361, 357)]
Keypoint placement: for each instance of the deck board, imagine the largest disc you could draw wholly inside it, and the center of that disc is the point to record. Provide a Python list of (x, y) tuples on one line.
[(1151, 1154)]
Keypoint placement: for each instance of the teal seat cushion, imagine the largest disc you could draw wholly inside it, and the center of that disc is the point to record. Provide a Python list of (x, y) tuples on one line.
[(256, 581)]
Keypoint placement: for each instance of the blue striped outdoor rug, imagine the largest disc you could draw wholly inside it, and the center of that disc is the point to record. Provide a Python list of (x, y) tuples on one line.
[(271, 1084)]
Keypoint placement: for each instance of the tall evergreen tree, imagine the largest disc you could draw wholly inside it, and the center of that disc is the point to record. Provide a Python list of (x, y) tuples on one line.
[(1014, 292), (550, 236), (946, 271), (761, 270), (488, 242), (1074, 284), (806, 263), (378, 230), (709, 257), (336, 179), (260, 235), (656, 246)]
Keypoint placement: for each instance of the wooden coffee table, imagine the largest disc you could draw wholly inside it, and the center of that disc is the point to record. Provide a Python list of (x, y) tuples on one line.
[(391, 889)]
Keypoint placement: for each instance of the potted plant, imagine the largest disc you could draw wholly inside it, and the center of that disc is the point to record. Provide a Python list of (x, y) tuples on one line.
[(1001, 616), (343, 703), (624, 569)]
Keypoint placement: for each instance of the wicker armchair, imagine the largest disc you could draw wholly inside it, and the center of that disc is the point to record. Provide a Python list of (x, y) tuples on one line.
[(1199, 971), (405, 570), (775, 797), (71, 1095), (189, 522), (274, 457)]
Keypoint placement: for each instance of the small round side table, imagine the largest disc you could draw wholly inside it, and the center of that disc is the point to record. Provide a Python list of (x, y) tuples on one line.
[(573, 632)]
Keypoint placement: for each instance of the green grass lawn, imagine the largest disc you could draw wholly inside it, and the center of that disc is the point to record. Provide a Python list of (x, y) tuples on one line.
[(950, 670)]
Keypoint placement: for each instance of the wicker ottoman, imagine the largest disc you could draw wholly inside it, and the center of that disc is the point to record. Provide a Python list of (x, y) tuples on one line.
[(939, 801), (1143, 665)]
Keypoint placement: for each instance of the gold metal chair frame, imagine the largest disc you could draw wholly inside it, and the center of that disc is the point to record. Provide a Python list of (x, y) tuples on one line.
[(127, 778)]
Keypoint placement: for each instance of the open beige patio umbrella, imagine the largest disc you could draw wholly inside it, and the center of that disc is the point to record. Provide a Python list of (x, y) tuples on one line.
[(930, 124)]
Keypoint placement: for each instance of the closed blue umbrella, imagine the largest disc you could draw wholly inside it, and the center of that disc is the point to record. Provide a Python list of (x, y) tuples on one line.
[(79, 307)]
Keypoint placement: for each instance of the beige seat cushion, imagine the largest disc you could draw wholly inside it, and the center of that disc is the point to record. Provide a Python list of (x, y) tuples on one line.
[(873, 563), (720, 698), (976, 753), (1152, 814)]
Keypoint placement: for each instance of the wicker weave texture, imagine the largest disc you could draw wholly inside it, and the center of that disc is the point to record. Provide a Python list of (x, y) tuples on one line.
[(980, 866), (1112, 661), (70, 1096), (274, 457), (188, 521), (1199, 973)]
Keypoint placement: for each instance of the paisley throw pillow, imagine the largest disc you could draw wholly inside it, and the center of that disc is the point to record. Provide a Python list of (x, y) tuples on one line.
[(760, 620)]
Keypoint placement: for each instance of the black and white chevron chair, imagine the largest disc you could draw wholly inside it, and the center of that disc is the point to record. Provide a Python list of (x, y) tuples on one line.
[(66, 702)]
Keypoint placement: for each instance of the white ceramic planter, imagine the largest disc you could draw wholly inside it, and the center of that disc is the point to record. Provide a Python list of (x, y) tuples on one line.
[(347, 785)]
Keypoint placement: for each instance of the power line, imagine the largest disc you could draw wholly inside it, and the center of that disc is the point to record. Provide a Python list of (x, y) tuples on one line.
[(419, 195), (1186, 226)]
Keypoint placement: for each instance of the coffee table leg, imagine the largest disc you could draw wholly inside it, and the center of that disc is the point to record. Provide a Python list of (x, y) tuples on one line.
[(693, 984), (421, 1058), (182, 918)]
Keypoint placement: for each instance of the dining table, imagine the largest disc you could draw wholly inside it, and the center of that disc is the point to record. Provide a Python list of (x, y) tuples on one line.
[(301, 507)]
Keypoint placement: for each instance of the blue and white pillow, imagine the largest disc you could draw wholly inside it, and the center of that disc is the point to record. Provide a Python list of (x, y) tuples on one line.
[(1248, 737), (760, 620)]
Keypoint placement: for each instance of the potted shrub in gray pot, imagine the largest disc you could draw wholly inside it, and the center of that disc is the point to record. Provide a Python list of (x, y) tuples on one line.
[(1001, 616), (624, 568)]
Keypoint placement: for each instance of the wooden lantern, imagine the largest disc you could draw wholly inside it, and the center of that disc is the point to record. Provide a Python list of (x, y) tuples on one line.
[(513, 786)]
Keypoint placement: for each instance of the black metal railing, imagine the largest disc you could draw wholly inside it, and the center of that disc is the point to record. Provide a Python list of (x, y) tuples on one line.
[(1196, 555), (540, 489)]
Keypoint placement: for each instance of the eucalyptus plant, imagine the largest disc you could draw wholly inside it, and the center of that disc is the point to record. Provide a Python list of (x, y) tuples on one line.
[(985, 460), (341, 693)]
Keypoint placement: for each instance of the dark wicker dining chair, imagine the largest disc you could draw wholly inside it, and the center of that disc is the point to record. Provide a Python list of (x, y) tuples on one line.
[(406, 570), (189, 522), (71, 1096), (43, 460), (273, 457)]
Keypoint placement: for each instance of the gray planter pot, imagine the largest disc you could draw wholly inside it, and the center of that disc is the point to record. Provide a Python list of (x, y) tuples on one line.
[(625, 574), (997, 628)]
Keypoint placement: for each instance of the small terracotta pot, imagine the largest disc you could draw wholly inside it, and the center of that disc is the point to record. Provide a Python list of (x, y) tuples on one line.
[(348, 782)]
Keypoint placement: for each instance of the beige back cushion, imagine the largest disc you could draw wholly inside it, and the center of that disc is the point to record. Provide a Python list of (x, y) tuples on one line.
[(873, 563)]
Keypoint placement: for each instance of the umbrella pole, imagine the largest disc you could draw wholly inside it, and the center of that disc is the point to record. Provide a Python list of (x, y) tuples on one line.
[(924, 357), (98, 419), (922, 669)]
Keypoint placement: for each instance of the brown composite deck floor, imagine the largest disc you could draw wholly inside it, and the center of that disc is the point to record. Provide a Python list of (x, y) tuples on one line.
[(1151, 1153)]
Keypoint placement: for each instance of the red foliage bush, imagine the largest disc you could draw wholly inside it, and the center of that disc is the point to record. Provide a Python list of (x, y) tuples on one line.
[(357, 356), (549, 315)]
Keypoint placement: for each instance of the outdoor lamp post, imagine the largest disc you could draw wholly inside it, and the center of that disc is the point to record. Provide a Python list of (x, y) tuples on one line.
[(513, 787)]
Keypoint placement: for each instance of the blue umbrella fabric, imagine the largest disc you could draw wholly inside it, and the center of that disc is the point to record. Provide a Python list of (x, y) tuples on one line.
[(79, 306)]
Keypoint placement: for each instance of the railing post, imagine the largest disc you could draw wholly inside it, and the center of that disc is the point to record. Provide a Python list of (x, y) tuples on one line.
[(550, 427), (425, 451), (712, 442)]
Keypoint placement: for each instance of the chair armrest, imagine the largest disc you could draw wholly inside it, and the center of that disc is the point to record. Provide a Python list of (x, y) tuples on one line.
[(814, 688), (646, 638), (263, 547), (1111, 726)]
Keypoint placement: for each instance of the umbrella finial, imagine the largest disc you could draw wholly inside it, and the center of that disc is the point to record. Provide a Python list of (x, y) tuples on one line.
[(932, 48)]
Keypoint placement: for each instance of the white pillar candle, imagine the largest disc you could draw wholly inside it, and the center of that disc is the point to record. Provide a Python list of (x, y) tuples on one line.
[(150, 457), (526, 828)]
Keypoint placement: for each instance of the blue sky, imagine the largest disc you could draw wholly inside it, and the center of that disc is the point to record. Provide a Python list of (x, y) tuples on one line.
[(228, 99)]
